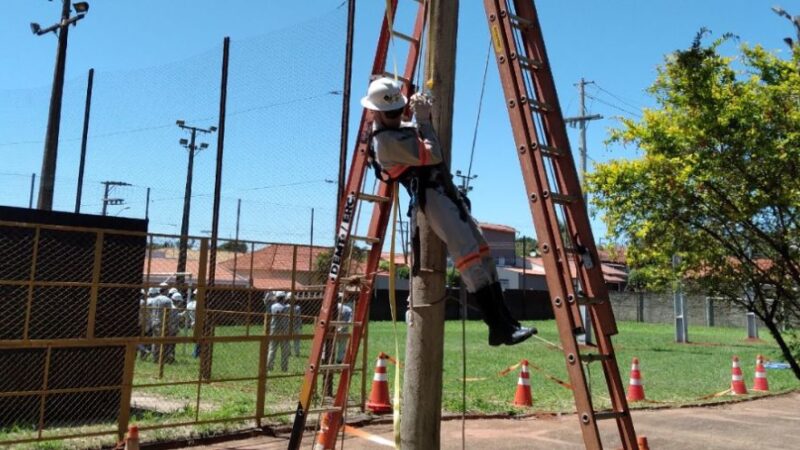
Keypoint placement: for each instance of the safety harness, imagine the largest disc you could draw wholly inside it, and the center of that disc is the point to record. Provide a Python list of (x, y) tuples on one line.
[(416, 180)]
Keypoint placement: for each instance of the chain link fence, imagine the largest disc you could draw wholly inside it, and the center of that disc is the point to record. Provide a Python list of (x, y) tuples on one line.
[(281, 143), (105, 328)]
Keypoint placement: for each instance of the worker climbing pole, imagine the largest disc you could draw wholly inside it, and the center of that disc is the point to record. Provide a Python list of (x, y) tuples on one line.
[(412, 155)]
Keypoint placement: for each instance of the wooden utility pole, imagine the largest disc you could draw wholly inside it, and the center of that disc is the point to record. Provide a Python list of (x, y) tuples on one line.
[(422, 391)]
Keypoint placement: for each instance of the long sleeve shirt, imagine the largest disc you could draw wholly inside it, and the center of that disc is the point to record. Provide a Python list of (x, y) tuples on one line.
[(411, 145)]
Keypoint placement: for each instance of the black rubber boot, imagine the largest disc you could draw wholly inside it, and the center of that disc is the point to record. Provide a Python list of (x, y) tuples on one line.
[(497, 292), (503, 329)]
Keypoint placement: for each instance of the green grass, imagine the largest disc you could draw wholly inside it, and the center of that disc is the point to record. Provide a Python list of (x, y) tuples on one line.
[(674, 374)]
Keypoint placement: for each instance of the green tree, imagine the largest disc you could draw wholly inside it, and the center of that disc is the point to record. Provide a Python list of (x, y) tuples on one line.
[(525, 245), (718, 181), (233, 246)]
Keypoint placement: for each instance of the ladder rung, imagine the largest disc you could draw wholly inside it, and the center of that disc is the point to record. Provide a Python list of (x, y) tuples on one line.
[(334, 367), (351, 278), (404, 37), (589, 301), (367, 239), (563, 199), (530, 64), (551, 151), (520, 22), (603, 415), (339, 323), (403, 79), (592, 357), (329, 409), (373, 198), (539, 106)]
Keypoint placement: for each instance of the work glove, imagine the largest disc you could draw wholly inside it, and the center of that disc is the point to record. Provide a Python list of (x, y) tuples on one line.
[(421, 105)]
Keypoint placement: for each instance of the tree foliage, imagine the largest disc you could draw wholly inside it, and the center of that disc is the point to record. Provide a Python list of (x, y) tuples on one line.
[(234, 246), (525, 245), (718, 182)]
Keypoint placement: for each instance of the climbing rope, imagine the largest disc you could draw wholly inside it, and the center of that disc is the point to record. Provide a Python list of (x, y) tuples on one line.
[(478, 117)]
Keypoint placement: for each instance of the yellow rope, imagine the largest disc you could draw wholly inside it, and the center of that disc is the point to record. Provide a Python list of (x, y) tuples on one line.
[(390, 23), (393, 306)]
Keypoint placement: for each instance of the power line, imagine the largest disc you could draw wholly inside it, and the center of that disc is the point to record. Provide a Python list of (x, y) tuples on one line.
[(160, 127), (617, 107), (632, 105)]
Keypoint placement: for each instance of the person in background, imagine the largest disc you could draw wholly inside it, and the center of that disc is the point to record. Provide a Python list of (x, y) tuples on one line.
[(279, 327), (160, 307), (189, 320), (345, 313)]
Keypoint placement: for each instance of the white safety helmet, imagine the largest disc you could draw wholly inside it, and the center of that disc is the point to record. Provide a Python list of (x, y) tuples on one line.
[(384, 94), (177, 297), (172, 291), (153, 291)]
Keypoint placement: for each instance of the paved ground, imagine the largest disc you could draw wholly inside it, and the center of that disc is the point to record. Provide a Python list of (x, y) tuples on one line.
[(769, 423)]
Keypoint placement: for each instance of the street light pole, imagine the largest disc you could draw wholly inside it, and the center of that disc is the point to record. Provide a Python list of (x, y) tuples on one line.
[(190, 145), (50, 156)]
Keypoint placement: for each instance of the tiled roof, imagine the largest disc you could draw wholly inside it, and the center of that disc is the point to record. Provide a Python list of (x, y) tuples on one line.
[(496, 227), (160, 268), (278, 257)]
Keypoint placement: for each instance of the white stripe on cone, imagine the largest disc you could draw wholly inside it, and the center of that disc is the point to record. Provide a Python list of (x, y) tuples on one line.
[(737, 378), (380, 377), (636, 382)]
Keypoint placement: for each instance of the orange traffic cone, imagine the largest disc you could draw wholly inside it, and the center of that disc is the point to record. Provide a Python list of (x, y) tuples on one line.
[(132, 441), (641, 442), (523, 395), (760, 380), (737, 382), (379, 396), (635, 388)]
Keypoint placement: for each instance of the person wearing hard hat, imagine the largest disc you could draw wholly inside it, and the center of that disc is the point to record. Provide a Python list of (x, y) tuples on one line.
[(345, 314), (279, 327), (410, 153), (160, 307)]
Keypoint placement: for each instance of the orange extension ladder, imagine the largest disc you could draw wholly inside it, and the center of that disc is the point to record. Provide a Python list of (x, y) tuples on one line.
[(559, 216)]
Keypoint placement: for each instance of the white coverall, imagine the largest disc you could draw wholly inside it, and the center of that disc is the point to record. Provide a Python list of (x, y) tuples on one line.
[(279, 327), (416, 145)]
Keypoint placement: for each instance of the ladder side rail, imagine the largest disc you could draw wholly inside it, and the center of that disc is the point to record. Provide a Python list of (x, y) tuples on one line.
[(519, 106), (591, 279), (355, 180), (559, 242), (499, 28), (378, 224), (381, 55)]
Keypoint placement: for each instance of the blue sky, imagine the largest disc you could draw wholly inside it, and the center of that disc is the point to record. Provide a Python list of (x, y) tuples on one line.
[(158, 61)]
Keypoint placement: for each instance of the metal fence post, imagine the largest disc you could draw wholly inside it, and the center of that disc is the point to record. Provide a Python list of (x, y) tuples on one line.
[(202, 319), (709, 311), (752, 326), (98, 260), (640, 307), (31, 282), (261, 390), (164, 319), (127, 391)]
